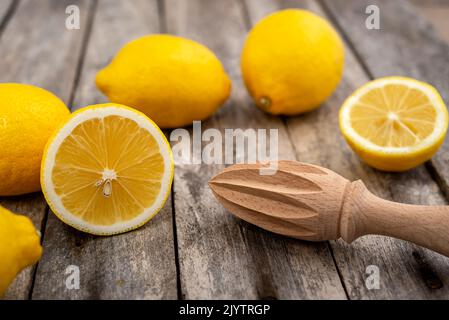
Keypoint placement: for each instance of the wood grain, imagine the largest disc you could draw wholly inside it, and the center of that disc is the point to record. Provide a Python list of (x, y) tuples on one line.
[(220, 256), (406, 271), (299, 200), (363, 213), (45, 54), (6, 10), (309, 202), (135, 265), (409, 47), (437, 13)]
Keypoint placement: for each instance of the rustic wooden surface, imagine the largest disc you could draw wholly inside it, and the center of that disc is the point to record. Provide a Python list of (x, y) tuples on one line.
[(247, 266), (52, 66), (436, 12), (138, 264), (194, 248)]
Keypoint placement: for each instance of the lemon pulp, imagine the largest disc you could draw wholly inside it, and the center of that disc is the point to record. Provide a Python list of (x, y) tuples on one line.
[(393, 116), (107, 170), (394, 123)]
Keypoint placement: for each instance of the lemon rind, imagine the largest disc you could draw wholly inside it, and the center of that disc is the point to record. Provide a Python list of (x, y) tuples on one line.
[(433, 95), (55, 141)]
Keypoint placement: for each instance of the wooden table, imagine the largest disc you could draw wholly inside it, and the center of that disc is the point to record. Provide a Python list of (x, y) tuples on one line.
[(193, 248)]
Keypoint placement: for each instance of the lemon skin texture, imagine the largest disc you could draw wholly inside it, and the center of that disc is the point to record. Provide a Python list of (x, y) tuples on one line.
[(291, 62), (19, 246), (397, 162), (28, 117), (173, 80)]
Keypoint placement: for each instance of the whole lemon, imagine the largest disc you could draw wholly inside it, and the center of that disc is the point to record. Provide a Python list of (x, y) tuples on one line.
[(292, 61), (171, 79), (28, 117), (19, 246)]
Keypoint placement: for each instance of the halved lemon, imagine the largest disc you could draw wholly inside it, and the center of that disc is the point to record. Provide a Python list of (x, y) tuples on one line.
[(107, 170), (394, 123)]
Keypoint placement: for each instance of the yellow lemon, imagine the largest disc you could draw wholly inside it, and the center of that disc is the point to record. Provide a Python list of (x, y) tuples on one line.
[(28, 116), (107, 170), (394, 123), (172, 80), (19, 246), (292, 61)]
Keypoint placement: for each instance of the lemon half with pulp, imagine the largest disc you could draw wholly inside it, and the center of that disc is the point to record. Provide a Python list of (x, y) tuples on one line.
[(394, 123), (108, 170)]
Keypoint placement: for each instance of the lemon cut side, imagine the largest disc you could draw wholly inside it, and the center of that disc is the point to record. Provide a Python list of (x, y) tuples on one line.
[(394, 123), (108, 170)]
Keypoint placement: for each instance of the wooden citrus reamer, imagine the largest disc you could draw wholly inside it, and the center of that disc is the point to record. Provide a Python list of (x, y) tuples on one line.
[(309, 202)]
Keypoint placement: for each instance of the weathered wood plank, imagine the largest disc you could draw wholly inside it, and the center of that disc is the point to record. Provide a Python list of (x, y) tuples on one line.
[(409, 46), (406, 271), (6, 8), (220, 256), (437, 13), (135, 265), (37, 49)]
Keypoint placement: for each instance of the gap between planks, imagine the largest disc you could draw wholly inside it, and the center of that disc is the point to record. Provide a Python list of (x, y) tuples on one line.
[(76, 85), (256, 249), (85, 40), (163, 29), (393, 255), (433, 166), (249, 25), (429, 276), (143, 266), (19, 59), (7, 16)]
